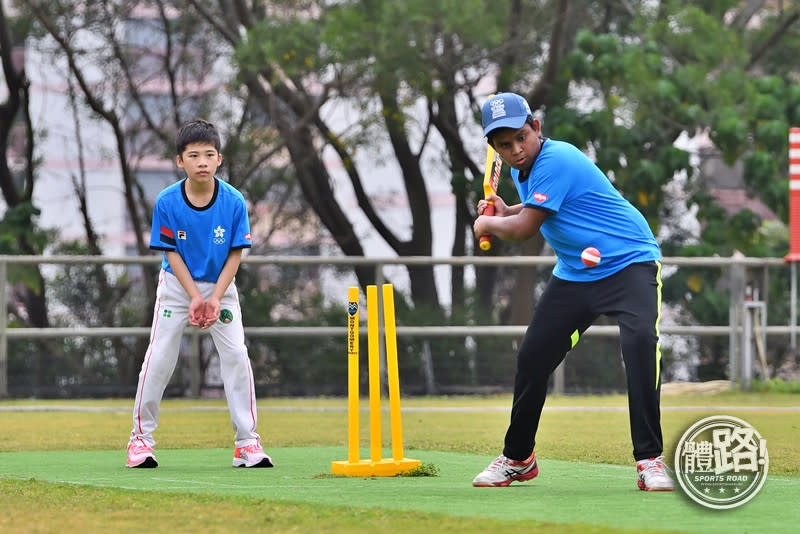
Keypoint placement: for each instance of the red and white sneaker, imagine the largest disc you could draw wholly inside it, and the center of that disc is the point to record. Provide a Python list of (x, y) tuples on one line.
[(251, 456), (503, 471), (653, 475), (140, 455)]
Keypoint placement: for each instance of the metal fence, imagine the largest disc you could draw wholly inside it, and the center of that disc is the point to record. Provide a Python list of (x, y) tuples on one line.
[(739, 330)]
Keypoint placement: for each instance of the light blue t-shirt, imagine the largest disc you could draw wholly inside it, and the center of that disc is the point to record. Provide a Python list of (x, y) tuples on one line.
[(585, 211), (202, 236)]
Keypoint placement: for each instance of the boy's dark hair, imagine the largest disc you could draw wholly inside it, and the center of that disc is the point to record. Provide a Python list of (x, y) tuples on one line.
[(196, 131)]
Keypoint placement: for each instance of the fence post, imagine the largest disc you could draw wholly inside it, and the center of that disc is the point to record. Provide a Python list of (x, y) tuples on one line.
[(754, 313), (3, 326), (558, 379), (746, 374), (735, 319), (793, 306)]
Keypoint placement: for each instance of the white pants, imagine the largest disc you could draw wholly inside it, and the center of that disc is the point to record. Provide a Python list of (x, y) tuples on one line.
[(170, 318)]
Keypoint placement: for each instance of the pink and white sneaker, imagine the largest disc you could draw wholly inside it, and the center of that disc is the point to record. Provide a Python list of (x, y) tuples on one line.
[(251, 456), (140, 455), (503, 471), (653, 475)]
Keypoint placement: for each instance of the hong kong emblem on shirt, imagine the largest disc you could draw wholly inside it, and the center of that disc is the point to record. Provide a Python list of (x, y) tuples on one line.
[(219, 235), (721, 462)]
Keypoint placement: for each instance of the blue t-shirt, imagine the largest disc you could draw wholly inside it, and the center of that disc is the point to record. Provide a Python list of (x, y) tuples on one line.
[(585, 211), (202, 236)]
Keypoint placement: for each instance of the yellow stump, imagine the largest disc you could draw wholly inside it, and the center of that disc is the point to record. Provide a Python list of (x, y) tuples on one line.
[(353, 455), (374, 361), (376, 465)]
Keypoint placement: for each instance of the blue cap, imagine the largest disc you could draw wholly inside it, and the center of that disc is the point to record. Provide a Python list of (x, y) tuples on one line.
[(505, 110)]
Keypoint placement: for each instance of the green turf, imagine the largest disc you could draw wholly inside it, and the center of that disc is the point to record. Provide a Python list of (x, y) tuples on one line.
[(565, 492), (466, 432)]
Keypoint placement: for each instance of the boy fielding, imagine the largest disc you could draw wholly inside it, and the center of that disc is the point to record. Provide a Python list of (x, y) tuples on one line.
[(201, 225), (574, 205)]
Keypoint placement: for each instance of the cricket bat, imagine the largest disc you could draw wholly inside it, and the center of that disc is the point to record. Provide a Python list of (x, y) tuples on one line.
[(491, 177)]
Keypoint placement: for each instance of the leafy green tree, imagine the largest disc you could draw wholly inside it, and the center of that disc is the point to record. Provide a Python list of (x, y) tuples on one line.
[(648, 74), (691, 67), (142, 124), (19, 233), (622, 80)]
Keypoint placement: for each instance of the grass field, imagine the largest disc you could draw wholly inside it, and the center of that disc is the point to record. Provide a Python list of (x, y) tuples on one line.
[(62, 469)]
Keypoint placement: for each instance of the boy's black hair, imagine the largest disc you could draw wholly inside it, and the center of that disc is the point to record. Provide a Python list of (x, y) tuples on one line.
[(490, 137), (196, 131)]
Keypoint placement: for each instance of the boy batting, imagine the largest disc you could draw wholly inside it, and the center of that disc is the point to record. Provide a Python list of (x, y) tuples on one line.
[(574, 206)]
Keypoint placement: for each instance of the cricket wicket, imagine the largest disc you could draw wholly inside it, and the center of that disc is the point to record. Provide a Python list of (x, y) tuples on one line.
[(376, 465)]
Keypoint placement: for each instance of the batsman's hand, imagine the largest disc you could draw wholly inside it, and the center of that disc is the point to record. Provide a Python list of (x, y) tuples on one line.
[(500, 207), (479, 227)]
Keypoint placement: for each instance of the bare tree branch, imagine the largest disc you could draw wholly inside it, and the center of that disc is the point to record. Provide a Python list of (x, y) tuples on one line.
[(761, 50), (108, 114), (745, 14), (553, 65)]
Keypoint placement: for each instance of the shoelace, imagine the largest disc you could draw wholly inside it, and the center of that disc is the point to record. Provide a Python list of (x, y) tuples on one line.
[(502, 462), (499, 462), (656, 466)]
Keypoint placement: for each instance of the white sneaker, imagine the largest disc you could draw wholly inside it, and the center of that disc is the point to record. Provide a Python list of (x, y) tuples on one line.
[(503, 471), (251, 456), (653, 475)]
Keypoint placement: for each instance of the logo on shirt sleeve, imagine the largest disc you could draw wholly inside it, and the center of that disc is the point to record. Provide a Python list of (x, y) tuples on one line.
[(540, 197), (167, 236)]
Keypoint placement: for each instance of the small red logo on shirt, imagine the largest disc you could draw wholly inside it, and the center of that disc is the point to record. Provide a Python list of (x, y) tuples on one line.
[(247, 237), (540, 197)]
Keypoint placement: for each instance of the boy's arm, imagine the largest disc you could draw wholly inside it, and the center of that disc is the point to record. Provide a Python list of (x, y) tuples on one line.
[(500, 207), (226, 276), (519, 223), (514, 210), (181, 272)]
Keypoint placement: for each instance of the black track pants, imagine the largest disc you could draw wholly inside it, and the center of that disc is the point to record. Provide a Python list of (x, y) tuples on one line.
[(564, 311)]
